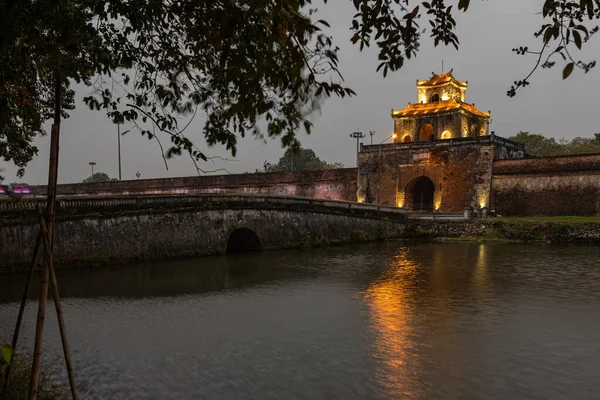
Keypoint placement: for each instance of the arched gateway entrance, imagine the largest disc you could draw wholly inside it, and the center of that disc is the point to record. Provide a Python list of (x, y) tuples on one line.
[(419, 194)]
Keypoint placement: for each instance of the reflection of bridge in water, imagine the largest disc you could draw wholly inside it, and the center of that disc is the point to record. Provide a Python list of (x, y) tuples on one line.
[(117, 229)]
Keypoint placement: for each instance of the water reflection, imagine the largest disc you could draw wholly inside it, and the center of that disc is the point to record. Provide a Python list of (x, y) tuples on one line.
[(468, 321), (398, 321), (391, 302), (479, 276), (157, 279)]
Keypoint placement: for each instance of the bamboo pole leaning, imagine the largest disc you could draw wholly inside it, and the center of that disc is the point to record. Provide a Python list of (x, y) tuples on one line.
[(48, 247), (39, 333), (59, 314)]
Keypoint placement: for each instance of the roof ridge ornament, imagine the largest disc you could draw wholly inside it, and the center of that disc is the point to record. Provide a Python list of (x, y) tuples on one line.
[(442, 79)]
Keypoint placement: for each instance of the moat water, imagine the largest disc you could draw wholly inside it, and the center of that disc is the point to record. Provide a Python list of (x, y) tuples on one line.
[(384, 321)]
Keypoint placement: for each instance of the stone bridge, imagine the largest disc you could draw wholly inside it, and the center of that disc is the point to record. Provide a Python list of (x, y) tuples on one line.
[(100, 230)]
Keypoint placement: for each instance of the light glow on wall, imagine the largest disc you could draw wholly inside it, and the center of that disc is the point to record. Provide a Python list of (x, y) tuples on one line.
[(400, 200), (437, 199), (483, 199), (422, 96), (464, 127)]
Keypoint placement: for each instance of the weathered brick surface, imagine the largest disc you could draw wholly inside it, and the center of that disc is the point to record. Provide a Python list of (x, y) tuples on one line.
[(559, 164), (461, 171), (333, 184), (545, 186), (546, 194)]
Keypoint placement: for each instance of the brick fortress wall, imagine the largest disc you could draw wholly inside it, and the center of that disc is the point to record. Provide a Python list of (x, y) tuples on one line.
[(333, 184), (545, 186)]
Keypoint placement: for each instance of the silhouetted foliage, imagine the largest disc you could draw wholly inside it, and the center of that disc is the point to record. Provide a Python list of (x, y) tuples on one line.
[(539, 145), (151, 65), (98, 177), (299, 159)]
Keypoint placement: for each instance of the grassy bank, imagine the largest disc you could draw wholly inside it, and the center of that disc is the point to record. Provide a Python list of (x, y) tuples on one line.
[(560, 219), (584, 230), (18, 388)]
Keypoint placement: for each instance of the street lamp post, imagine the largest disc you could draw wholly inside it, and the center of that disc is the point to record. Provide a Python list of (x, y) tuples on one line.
[(119, 147), (372, 133), (92, 163), (357, 136)]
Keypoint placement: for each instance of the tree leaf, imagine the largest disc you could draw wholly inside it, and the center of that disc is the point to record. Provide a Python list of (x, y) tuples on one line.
[(548, 8), (463, 4), (568, 69), (307, 127), (583, 29), (577, 39), (547, 35), (414, 12), (6, 354)]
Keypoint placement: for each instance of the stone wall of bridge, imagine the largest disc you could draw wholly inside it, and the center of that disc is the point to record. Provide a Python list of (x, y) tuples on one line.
[(103, 230), (332, 184)]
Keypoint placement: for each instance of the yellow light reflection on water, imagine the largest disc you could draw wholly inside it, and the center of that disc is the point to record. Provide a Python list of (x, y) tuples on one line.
[(391, 306), (413, 311), (480, 273)]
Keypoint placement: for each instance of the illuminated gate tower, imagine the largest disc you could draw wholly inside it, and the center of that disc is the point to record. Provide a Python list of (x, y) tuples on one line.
[(442, 156), (441, 112)]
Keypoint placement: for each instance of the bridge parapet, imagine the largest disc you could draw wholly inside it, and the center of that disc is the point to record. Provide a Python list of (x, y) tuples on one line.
[(72, 206)]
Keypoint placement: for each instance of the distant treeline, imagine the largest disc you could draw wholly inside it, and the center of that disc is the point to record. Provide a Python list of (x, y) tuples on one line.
[(299, 160), (539, 145)]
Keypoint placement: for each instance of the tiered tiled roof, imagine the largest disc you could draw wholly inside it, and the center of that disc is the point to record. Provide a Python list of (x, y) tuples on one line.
[(437, 108)]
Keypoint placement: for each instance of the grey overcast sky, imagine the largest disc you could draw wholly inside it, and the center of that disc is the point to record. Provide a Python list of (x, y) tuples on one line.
[(487, 32)]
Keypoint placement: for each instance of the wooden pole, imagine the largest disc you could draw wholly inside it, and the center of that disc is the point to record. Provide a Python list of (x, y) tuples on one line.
[(17, 330), (39, 332), (51, 202), (58, 306)]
